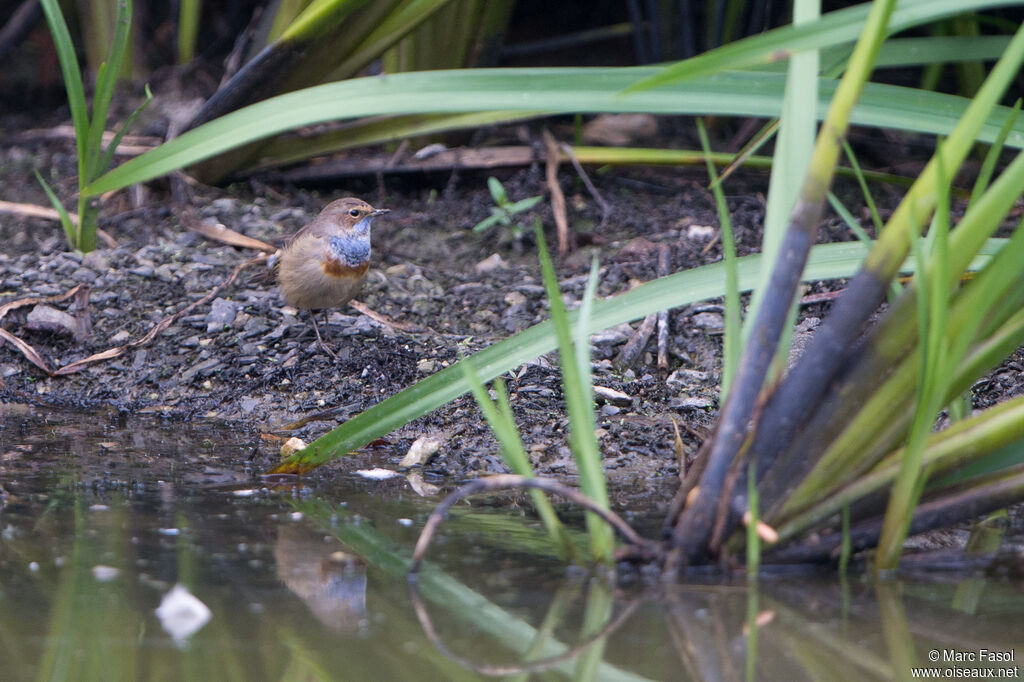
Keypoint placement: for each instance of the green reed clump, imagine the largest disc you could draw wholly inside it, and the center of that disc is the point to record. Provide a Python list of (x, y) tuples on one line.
[(93, 158)]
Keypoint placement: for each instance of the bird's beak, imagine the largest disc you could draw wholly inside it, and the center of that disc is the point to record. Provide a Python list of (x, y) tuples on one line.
[(379, 211)]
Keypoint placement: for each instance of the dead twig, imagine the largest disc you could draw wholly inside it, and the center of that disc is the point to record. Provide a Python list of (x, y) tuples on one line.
[(384, 319), (663, 270), (512, 481), (606, 210), (47, 213), (80, 311), (130, 145), (26, 349), (557, 196), (632, 349), (222, 234)]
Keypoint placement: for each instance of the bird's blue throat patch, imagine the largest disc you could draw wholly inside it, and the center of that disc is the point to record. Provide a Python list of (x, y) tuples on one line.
[(352, 250)]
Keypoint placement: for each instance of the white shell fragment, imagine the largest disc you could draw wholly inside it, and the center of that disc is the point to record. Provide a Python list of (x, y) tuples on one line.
[(421, 450), (291, 446), (377, 474)]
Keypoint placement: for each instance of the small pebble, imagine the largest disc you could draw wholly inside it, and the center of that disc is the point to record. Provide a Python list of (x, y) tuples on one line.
[(708, 321), (222, 314)]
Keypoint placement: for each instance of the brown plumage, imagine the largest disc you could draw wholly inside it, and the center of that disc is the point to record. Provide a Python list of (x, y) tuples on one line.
[(323, 264)]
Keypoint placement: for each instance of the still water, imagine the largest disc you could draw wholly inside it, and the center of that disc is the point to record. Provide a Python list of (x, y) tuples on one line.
[(149, 550)]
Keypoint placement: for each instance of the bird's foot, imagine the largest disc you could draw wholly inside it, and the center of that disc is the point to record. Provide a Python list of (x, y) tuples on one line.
[(327, 349), (320, 339)]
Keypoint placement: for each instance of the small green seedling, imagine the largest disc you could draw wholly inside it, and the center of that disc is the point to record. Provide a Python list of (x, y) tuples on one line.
[(504, 211)]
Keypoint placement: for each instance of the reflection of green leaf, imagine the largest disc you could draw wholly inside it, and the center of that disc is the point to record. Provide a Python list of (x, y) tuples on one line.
[(437, 587)]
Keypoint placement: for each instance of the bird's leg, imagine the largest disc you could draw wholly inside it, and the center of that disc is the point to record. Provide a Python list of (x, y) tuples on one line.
[(319, 338)]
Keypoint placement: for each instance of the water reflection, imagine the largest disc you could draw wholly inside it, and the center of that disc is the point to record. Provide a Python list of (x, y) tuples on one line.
[(329, 579), (99, 520)]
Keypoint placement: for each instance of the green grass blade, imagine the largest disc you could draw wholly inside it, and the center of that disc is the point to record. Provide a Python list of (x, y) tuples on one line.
[(899, 53), (933, 303), (793, 149), (72, 74), (65, 219), (849, 219), (108, 153), (959, 452), (731, 346), (499, 418), (992, 157), (753, 546), (318, 17), (188, 29), (398, 23), (532, 90), (842, 26), (106, 80), (862, 182), (290, 149), (579, 403), (858, 231)]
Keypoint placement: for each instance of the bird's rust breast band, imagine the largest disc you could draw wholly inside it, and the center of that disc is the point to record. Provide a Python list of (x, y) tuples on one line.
[(335, 268)]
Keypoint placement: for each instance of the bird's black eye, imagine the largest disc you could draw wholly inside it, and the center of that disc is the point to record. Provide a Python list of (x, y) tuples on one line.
[(354, 213)]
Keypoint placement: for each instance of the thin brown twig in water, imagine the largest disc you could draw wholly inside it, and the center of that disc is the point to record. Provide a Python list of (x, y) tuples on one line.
[(557, 196), (501, 670), (513, 481), (606, 210)]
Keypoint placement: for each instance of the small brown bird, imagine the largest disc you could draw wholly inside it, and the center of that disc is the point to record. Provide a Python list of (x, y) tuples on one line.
[(323, 264)]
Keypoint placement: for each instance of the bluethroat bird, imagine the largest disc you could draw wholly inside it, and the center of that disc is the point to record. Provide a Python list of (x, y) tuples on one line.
[(323, 264)]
